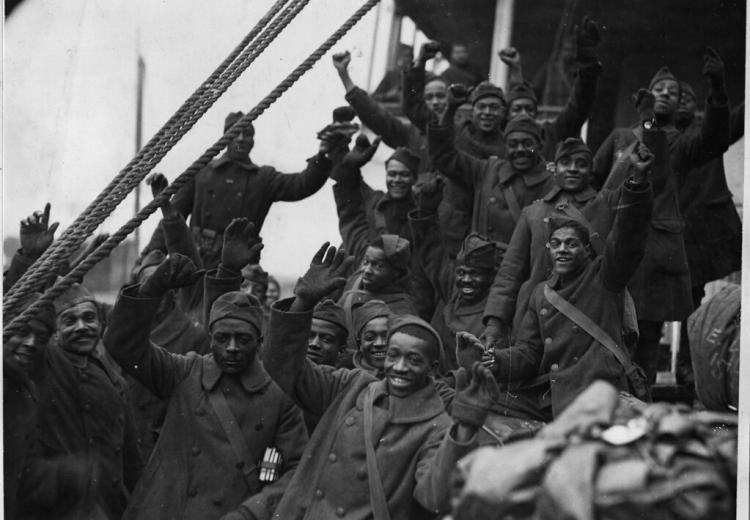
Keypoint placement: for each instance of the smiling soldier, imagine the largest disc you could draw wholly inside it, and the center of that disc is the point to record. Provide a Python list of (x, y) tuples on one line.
[(383, 448)]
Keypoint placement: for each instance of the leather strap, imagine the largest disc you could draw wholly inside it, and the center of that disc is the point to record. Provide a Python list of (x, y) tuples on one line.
[(512, 202), (234, 435), (377, 494)]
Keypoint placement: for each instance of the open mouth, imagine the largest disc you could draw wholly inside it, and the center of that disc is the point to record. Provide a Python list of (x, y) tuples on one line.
[(399, 381), (563, 260)]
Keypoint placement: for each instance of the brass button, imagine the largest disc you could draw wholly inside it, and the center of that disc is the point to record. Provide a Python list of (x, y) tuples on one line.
[(349, 421), (340, 511), (547, 341), (543, 311), (554, 366), (332, 457), (319, 493), (362, 473), (493, 200)]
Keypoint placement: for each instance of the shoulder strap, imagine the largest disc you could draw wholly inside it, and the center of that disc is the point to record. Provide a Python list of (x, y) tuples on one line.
[(512, 202), (233, 433), (575, 315), (377, 494)]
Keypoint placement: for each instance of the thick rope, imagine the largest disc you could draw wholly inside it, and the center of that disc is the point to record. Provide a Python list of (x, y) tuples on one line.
[(108, 200), (106, 247)]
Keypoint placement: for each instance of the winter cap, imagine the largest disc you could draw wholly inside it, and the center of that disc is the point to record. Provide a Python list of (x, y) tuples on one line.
[(237, 305), (686, 88), (661, 74), (521, 90), (417, 327), (486, 89), (75, 294), (343, 114), (526, 124), (396, 250), (570, 146), (429, 77), (363, 313), (232, 119), (477, 251), (328, 310), (406, 157)]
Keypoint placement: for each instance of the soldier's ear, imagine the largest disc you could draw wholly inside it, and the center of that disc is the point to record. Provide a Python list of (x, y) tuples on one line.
[(589, 250)]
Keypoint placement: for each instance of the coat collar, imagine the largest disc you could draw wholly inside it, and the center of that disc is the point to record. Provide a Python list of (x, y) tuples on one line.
[(462, 309), (253, 379), (422, 405), (536, 176), (582, 196), (224, 159)]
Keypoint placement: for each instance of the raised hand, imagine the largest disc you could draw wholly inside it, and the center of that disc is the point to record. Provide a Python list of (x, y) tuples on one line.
[(36, 234), (174, 272), (713, 69), (362, 152), (428, 51), (641, 160), (242, 245), (510, 56), (341, 61), (327, 273), (588, 36), (469, 350), (644, 104), (476, 391), (428, 194), (158, 183)]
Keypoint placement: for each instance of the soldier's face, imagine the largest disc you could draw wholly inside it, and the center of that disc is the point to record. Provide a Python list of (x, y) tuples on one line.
[(398, 179), (372, 341), (325, 342), (79, 328), (573, 172), (522, 106), (409, 361), (522, 150), (234, 344), (377, 273), (472, 283), (241, 146), (667, 94), (487, 113), (436, 97), (24, 347), (686, 109), (568, 251)]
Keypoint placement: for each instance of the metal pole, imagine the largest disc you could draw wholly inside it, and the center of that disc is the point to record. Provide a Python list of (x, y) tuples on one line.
[(139, 138)]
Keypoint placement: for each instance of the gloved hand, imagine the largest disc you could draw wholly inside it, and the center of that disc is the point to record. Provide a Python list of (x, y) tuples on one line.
[(428, 51), (641, 160), (242, 245), (495, 335), (348, 168), (713, 69), (476, 390), (241, 513), (588, 36), (36, 234), (174, 272), (158, 183), (327, 273), (469, 350), (428, 194), (644, 104)]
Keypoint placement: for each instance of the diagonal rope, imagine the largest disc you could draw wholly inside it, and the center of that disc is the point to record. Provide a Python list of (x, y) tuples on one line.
[(152, 153), (105, 248)]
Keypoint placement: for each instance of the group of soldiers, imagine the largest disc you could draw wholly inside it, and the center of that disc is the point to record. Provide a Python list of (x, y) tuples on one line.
[(506, 267)]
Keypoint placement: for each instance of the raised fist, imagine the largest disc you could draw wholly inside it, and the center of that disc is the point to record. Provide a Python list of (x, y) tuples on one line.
[(341, 61)]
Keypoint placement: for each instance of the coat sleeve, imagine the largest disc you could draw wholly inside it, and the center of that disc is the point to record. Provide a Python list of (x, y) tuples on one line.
[(453, 163), (437, 460), (393, 132), (569, 122), (179, 239), (127, 341), (514, 270), (736, 123), (603, 160), (291, 187), (412, 101), (437, 266), (290, 441), (312, 387), (521, 361), (693, 149), (354, 228), (183, 199), (19, 264)]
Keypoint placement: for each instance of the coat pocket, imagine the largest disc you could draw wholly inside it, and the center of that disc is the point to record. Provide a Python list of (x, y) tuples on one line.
[(665, 250)]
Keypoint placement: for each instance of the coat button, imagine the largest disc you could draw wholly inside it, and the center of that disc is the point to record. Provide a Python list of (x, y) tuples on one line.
[(575, 359), (349, 421), (493, 200), (547, 341), (554, 366), (87, 407), (543, 311), (318, 493), (195, 450), (575, 329), (340, 511), (362, 473), (332, 457), (192, 491)]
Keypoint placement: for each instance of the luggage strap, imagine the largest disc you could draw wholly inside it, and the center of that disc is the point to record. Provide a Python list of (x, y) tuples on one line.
[(577, 316), (234, 435), (378, 501)]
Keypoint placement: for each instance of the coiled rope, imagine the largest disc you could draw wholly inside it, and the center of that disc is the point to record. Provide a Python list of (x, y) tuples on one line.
[(62, 284), (157, 147)]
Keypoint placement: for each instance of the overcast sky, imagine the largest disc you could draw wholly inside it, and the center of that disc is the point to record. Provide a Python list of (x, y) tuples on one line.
[(70, 72)]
